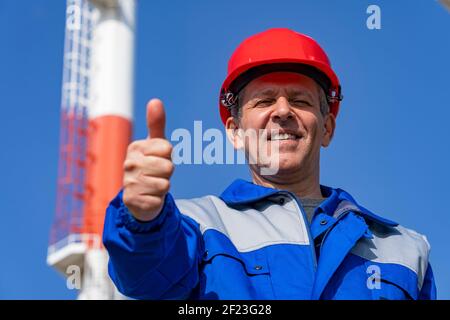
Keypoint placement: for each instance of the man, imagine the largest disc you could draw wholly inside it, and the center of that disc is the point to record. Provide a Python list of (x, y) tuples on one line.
[(282, 236)]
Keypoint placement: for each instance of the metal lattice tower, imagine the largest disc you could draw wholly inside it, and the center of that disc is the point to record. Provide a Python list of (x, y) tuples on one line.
[(96, 112)]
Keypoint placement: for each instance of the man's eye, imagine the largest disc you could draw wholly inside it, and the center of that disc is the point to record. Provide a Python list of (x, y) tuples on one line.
[(301, 102), (264, 102)]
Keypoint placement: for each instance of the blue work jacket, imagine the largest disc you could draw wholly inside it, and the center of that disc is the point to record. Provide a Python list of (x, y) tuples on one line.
[(254, 242)]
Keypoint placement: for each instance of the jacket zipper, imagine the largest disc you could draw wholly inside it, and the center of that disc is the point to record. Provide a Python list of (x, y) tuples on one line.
[(342, 215), (311, 242)]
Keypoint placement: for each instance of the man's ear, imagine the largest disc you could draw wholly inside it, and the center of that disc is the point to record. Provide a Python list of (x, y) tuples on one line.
[(329, 127), (233, 133)]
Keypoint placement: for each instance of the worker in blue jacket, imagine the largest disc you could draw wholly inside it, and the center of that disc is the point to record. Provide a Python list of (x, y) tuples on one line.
[(281, 236)]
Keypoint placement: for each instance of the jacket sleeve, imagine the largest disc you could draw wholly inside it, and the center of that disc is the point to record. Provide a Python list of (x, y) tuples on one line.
[(152, 260), (428, 291)]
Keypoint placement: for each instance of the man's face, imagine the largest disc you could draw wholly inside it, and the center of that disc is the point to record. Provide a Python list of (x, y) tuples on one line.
[(288, 104)]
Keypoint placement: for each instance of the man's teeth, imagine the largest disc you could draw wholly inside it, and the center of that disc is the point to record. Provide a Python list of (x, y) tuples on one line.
[(283, 136)]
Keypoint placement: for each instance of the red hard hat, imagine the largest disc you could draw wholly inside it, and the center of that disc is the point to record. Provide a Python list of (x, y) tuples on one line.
[(274, 50)]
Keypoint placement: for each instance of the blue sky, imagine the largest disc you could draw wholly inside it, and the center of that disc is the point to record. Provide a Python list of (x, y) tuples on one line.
[(391, 149)]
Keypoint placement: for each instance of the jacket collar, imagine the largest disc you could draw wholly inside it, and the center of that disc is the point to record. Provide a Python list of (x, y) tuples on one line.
[(243, 192)]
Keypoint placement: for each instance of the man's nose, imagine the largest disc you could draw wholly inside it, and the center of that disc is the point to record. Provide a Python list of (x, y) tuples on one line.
[(282, 110)]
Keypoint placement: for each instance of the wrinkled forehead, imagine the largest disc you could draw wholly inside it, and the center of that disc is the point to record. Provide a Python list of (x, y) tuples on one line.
[(287, 82)]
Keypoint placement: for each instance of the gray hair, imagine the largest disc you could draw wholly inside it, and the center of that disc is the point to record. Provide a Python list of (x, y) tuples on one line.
[(236, 110), (323, 101)]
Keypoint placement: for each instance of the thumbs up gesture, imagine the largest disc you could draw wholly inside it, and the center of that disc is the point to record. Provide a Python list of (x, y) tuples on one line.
[(148, 167)]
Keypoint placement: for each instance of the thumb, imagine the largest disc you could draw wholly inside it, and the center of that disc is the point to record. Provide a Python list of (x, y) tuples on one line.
[(156, 119)]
